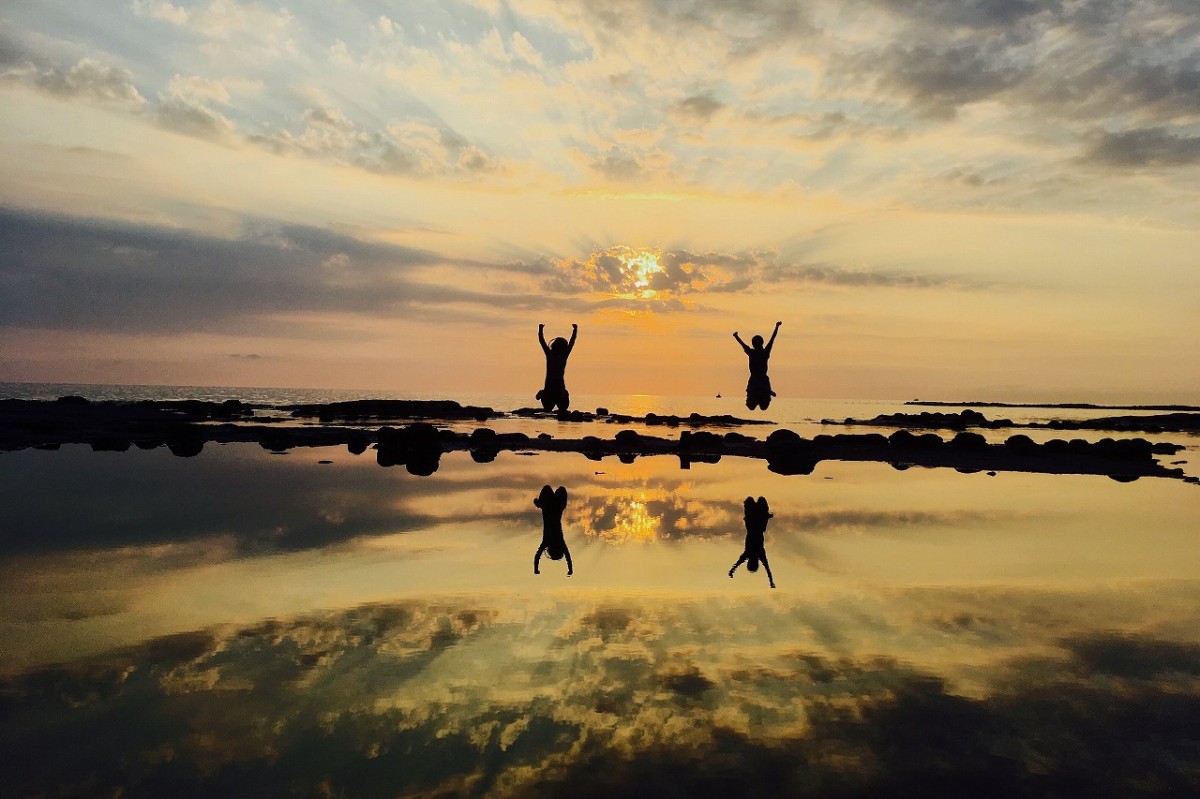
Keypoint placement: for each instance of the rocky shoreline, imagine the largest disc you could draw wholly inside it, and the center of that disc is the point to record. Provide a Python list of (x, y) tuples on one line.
[(964, 420), (412, 440)]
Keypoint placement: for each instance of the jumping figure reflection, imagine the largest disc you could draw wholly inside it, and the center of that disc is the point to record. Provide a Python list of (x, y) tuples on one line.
[(552, 503), (757, 514), (554, 392), (758, 388)]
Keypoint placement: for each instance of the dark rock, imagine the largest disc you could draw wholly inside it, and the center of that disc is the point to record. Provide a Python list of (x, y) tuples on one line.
[(699, 439), (1125, 448), (602, 411), (969, 441), (186, 447), (72, 399), (418, 446), (626, 438), (111, 445), (484, 445), (784, 439), (1022, 444), (791, 465)]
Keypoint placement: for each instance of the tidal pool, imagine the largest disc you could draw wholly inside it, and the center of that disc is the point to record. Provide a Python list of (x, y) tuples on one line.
[(245, 623)]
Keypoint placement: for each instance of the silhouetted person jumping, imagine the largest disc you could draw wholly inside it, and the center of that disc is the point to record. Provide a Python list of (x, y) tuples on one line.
[(552, 504), (554, 393), (757, 515), (758, 388)]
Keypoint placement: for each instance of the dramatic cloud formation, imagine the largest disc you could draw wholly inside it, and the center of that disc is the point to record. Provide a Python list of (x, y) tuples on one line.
[(772, 152), (596, 701)]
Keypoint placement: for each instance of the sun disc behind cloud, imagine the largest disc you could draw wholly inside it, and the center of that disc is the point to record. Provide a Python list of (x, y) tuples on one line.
[(639, 268)]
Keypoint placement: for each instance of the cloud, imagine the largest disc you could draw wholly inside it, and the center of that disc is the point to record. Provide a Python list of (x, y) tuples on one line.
[(1146, 147), (87, 79), (1076, 66), (194, 119), (750, 27), (598, 699), (938, 81), (699, 107), (406, 148), (89, 275), (620, 271), (220, 19), (618, 165)]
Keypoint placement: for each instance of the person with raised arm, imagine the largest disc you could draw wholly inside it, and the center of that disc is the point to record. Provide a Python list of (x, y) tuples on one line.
[(757, 514), (552, 503), (554, 392), (758, 388)]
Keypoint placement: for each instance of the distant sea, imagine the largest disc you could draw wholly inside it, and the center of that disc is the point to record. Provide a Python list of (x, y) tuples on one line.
[(796, 412)]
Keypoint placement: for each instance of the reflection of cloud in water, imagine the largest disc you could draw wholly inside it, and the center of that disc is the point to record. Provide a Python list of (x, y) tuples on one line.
[(627, 696), (618, 518)]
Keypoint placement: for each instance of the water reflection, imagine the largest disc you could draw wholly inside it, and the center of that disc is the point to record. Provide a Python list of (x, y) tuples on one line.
[(615, 698), (553, 503), (242, 623), (756, 515)]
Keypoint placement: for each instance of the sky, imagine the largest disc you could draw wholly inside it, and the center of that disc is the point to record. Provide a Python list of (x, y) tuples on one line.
[(945, 199)]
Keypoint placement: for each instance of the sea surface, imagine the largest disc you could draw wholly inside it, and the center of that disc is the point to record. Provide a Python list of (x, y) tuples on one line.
[(249, 623)]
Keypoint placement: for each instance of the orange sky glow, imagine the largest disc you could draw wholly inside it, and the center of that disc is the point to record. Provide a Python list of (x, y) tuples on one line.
[(995, 202)]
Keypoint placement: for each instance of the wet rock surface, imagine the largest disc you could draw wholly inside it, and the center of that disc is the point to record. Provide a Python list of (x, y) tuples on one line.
[(186, 427), (966, 419)]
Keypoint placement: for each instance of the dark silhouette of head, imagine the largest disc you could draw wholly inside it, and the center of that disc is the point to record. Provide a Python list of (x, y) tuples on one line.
[(559, 346), (757, 341)]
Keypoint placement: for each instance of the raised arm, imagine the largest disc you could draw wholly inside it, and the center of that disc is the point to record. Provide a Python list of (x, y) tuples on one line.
[(542, 339), (571, 343), (774, 333), (767, 566), (740, 561), (744, 347), (538, 557)]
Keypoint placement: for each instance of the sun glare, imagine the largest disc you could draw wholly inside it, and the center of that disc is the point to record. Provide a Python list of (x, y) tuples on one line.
[(622, 519), (639, 267)]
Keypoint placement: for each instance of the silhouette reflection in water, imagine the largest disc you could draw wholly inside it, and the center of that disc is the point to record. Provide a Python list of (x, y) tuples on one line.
[(758, 513), (758, 388), (554, 392), (552, 503)]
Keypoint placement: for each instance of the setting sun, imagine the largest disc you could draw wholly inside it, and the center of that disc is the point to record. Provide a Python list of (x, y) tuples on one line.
[(639, 267)]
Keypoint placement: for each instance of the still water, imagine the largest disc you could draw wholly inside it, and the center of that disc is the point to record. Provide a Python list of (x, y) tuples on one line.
[(249, 623)]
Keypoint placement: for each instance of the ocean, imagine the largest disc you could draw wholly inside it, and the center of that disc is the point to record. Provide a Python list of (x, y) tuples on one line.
[(247, 622)]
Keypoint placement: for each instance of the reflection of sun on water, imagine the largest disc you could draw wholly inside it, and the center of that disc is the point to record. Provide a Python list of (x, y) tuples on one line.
[(622, 519), (634, 523)]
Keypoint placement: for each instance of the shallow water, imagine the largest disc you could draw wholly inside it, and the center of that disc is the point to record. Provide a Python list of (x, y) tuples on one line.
[(249, 623)]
